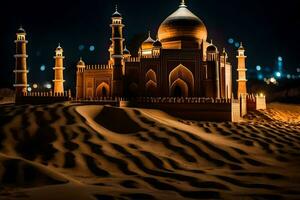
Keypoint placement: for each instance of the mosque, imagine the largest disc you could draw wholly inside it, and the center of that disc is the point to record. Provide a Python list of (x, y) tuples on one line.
[(179, 62), (178, 67)]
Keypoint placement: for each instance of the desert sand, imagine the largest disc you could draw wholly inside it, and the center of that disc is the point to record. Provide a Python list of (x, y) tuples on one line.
[(74, 152)]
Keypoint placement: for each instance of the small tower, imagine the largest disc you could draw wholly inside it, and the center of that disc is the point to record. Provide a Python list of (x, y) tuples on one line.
[(79, 79), (58, 71), (117, 54), (242, 78), (21, 63), (213, 70)]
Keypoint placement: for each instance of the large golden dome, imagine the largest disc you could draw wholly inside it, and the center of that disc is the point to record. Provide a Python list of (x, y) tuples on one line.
[(182, 27)]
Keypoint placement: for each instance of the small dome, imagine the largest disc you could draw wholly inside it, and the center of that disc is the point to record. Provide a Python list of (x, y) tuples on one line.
[(211, 48), (80, 62), (126, 51), (241, 46), (157, 43), (148, 43), (21, 30), (58, 47), (116, 13)]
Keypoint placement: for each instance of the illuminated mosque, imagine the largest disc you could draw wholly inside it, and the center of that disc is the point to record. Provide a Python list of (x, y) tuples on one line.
[(178, 67), (179, 62)]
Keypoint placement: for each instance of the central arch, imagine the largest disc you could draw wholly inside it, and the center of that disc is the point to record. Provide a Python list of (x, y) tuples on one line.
[(103, 90), (181, 82), (179, 89)]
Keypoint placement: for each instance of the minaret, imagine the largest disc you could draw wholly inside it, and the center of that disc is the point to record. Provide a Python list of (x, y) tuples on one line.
[(79, 79), (213, 65), (21, 63), (117, 55), (58, 70), (242, 79)]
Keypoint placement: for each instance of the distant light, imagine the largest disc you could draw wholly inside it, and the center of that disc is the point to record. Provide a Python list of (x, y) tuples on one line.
[(230, 40), (261, 94), (48, 86), (258, 67), (29, 89), (280, 59), (293, 76), (43, 68), (278, 74), (92, 48), (288, 76), (272, 80), (298, 70), (81, 47), (237, 44), (35, 86), (260, 77)]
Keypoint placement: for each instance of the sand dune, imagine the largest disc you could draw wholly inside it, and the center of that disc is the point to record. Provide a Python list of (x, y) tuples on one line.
[(65, 151)]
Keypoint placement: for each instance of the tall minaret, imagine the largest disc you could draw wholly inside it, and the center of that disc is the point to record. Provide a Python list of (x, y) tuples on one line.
[(79, 79), (242, 79), (117, 54), (58, 70), (21, 63)]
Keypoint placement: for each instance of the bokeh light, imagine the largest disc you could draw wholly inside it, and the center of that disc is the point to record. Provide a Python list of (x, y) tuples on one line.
[(29, 89), (258, 67), (92, 48), (280, 59), (35, 86), (273, 80), (81, 47), (278, 74), (288, 76), (298, 70), (230, 40), (43, 68), (260, 77), (237, 44)]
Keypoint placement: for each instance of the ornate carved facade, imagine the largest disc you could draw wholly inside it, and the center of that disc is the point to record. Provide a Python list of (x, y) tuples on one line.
[(179, 63)]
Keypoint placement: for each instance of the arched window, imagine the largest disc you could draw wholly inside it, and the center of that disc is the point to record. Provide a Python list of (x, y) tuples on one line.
[(181, 81)]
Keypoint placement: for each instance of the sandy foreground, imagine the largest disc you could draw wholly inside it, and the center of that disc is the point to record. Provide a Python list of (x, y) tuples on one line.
[(71, 152)]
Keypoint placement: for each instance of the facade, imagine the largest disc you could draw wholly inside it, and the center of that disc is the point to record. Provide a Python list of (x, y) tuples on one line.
[(178, 63)]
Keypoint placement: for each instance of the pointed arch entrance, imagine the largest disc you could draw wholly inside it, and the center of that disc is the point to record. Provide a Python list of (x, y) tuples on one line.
[(103, 90), (151, 83), (181, 82)]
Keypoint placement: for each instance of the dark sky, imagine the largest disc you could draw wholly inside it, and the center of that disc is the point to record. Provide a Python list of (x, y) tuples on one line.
[(268, 29)]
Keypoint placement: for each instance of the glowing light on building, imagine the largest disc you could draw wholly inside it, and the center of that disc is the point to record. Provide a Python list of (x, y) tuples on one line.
[(43, 68), (258, 67), (35, 86), (48, 86), (81, 47), (280, 59), (260, 77), (273, 80), (92, 48), (230, 40), (29, 89), (288, 76)]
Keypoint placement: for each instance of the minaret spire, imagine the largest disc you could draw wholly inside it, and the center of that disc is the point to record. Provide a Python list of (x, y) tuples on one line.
[(182, 5)]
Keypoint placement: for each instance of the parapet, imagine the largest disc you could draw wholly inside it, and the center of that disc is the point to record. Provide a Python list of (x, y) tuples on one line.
[(98, 67)]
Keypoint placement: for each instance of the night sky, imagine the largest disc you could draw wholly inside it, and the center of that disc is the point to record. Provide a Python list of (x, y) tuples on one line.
[(268, 29)]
